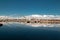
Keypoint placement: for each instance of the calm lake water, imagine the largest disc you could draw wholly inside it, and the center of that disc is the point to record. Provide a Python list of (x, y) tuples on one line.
[(23, 32)]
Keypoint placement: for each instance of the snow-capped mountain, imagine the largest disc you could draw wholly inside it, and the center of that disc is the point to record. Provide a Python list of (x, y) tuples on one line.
[(42, 16), (32, 22), (32, 16)]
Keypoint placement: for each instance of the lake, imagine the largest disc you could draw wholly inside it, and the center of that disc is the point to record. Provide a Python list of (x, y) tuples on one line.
[(23, 32)]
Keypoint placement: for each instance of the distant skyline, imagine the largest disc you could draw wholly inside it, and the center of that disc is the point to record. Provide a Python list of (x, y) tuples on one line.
[(28, 7)]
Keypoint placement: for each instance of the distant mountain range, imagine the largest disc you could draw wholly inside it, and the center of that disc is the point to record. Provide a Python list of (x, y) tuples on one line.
[(42, 16), (32, 16), (27, 20)]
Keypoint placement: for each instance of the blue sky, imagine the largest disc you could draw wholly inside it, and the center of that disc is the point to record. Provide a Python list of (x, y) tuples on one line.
[(28, 7)]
